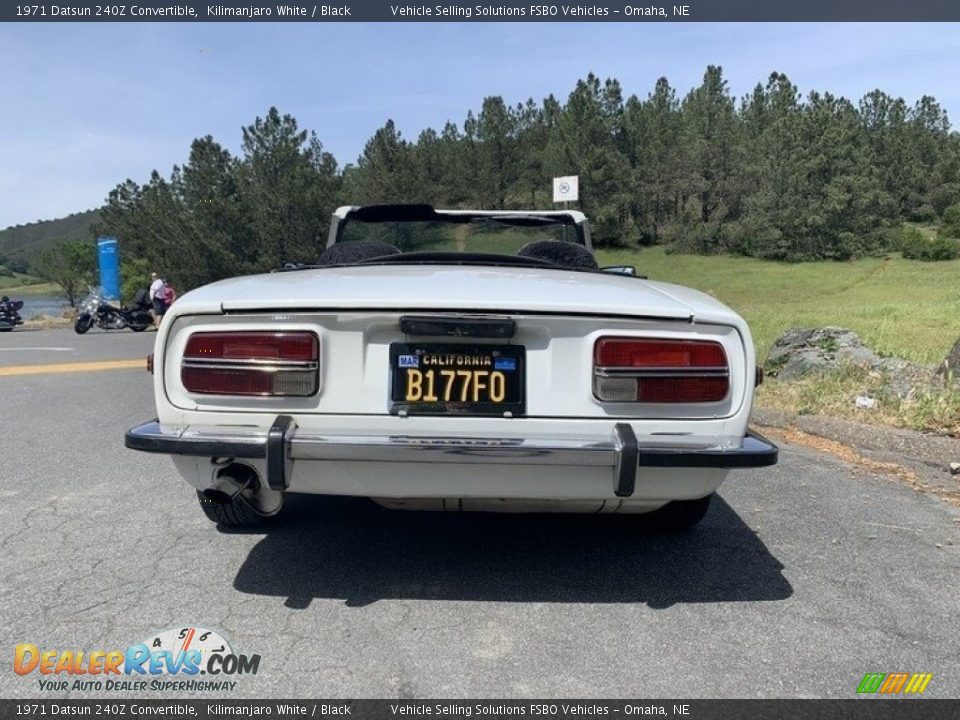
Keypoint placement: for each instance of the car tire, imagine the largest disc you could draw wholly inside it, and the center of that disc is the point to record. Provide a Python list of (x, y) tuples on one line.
[(235, 514), (564, 254), (678, 515)]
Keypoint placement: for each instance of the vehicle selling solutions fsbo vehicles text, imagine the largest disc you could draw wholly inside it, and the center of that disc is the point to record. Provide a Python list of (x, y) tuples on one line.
[(536, 11)]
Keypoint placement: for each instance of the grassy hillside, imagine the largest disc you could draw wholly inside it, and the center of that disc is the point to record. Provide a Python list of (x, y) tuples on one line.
[(20, 244), (18, 285), (902, 308)]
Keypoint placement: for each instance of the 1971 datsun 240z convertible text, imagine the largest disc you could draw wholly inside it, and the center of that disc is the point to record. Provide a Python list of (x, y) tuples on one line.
[(459, 360)]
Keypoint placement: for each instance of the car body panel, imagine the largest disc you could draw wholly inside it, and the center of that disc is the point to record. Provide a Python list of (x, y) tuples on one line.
[(436, 287), (354, 363)]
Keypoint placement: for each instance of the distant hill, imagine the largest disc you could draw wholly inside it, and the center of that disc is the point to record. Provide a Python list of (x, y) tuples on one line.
[(20, 244)]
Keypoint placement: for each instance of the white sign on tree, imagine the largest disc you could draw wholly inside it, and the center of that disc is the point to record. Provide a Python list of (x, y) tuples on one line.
[(566, 189)]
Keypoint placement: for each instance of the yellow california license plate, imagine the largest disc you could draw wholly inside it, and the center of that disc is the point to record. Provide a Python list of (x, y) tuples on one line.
[(457, 379)]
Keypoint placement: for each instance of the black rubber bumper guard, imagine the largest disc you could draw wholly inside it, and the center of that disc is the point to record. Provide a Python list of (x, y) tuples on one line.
[(755, 451)]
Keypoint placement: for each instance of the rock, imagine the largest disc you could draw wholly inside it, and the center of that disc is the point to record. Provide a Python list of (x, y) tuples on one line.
[(865, 402), (951, 363), (803, 351), (955, 468), (800, 351)]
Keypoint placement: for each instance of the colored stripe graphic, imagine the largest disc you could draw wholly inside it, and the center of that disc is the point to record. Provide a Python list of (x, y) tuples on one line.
[(871, 682), (893, 683), (918, 682)]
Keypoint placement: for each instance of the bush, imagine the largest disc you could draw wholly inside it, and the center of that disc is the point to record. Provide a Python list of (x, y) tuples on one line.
[(5, 271), (753, 237), (135, 274), (951, 222), (691, 235), (924, 214), (944, 196), (915, 246)]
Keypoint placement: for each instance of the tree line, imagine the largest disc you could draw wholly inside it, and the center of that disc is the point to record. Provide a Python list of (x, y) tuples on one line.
[(773, 174)]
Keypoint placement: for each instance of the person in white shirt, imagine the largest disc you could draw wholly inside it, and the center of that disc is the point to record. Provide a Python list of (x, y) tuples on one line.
[(156, 298)]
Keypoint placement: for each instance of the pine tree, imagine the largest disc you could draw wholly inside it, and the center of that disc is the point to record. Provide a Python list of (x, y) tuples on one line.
[(710, 141)]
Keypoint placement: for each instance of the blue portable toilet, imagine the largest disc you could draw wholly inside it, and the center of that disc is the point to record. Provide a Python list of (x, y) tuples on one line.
[(108, 253)]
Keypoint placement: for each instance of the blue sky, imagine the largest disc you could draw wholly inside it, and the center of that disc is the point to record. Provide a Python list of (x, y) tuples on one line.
[(85, 106)]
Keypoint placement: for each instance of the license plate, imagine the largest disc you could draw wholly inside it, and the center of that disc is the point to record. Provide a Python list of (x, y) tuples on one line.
[(453, 379)]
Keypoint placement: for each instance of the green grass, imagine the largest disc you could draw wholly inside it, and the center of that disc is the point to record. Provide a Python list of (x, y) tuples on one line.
[(901, 308), (21, 284), (40, 288), (931, 408)]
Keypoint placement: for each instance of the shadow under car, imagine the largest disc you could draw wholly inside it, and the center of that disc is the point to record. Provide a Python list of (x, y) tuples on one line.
[(354, 550)]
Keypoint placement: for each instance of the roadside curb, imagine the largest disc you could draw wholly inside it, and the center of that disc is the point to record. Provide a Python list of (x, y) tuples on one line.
[(919, 459)]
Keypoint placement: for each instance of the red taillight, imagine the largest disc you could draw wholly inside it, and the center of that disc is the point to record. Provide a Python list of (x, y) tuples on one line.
[(302, 346), (659, 371), (644, 353), (682, 389), (221, 381), (251, 363)]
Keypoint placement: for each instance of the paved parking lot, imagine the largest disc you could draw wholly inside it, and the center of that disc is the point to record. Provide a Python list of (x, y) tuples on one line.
[(802, 578)]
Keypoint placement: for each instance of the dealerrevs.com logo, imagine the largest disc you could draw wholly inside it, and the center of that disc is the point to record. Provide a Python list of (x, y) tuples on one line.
[(177, 660)]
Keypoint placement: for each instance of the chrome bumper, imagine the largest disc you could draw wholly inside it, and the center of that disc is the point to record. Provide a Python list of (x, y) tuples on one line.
[(282, 444)]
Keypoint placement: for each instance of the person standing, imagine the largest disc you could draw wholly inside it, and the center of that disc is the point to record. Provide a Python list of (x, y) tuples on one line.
[(156, 298)]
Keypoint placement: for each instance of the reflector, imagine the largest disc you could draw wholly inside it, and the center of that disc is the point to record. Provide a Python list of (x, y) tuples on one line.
[(615, 389)]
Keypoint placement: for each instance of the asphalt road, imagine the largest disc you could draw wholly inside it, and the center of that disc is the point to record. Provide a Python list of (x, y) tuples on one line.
[(801, 578)]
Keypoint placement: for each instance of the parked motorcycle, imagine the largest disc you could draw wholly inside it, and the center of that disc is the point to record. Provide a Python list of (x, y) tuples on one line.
[(95, 310), (10, 313)]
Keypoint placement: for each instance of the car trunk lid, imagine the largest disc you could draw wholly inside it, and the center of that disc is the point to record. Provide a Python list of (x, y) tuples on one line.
[(447, 288)]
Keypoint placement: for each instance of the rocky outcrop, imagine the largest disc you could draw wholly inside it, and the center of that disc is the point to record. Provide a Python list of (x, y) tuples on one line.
[(803, 351)]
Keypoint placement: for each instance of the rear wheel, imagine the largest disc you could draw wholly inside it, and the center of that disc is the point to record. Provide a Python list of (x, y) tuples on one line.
[(237, 513), (678, 515), (138, 328)]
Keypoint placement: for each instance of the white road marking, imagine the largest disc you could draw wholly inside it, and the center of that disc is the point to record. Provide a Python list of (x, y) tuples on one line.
[(49, 349)]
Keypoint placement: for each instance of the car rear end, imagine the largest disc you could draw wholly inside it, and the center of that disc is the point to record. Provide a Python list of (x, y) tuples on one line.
[(434, 398)]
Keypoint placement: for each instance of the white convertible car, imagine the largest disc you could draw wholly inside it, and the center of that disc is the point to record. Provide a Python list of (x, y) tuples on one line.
[(455, 360)]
